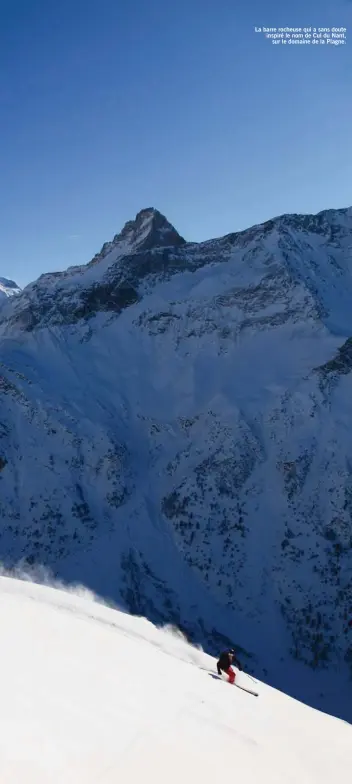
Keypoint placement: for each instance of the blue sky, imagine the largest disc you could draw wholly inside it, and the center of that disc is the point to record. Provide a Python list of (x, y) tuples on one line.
[(109, 106)]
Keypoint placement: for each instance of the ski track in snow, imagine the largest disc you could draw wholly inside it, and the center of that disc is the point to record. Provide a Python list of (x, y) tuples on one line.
[(92, 695)]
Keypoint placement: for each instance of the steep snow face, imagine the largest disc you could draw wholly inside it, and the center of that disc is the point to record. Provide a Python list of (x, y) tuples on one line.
[(8, 288), (91, 694), (174, 432)]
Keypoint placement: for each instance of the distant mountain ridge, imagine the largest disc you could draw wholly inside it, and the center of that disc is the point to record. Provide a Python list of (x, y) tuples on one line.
[(8, 288)]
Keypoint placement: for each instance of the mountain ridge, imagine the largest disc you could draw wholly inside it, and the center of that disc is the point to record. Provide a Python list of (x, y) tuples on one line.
[(109, 283)]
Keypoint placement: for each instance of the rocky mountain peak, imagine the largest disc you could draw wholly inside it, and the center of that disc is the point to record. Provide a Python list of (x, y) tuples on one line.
[(150, 229)]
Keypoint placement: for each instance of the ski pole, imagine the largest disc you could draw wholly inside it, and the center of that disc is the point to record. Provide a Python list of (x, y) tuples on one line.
[(252, 679)]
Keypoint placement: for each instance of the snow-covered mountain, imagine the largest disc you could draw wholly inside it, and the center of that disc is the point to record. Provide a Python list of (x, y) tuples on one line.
[(175, 433), (90, 694), (8, 288)]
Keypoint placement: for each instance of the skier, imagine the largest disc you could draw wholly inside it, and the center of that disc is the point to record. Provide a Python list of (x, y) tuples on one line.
[(224, 664)]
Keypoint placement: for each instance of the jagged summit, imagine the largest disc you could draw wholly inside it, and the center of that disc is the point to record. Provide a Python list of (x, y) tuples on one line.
[(150, 229), (109, 282)]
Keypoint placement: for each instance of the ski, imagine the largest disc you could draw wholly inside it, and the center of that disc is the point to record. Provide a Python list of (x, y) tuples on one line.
[(219, 678), (249, 691)]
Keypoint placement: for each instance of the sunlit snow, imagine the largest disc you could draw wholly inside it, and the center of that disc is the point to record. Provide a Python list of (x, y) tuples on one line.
[(92, 695)]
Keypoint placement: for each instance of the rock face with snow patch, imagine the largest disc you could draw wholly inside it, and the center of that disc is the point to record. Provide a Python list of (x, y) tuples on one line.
[(8, 288), (174, 431)]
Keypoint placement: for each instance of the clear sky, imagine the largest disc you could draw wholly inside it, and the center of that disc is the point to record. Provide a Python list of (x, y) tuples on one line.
[(109, 106)]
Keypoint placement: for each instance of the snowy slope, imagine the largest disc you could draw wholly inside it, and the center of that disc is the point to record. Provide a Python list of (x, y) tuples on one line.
[(89, 694), (174, 433)]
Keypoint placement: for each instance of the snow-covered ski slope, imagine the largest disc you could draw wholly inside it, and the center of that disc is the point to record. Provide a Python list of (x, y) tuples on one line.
[(92, 695)]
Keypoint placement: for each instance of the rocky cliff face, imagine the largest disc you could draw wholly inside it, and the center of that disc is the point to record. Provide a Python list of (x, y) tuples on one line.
[(175, 432)]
